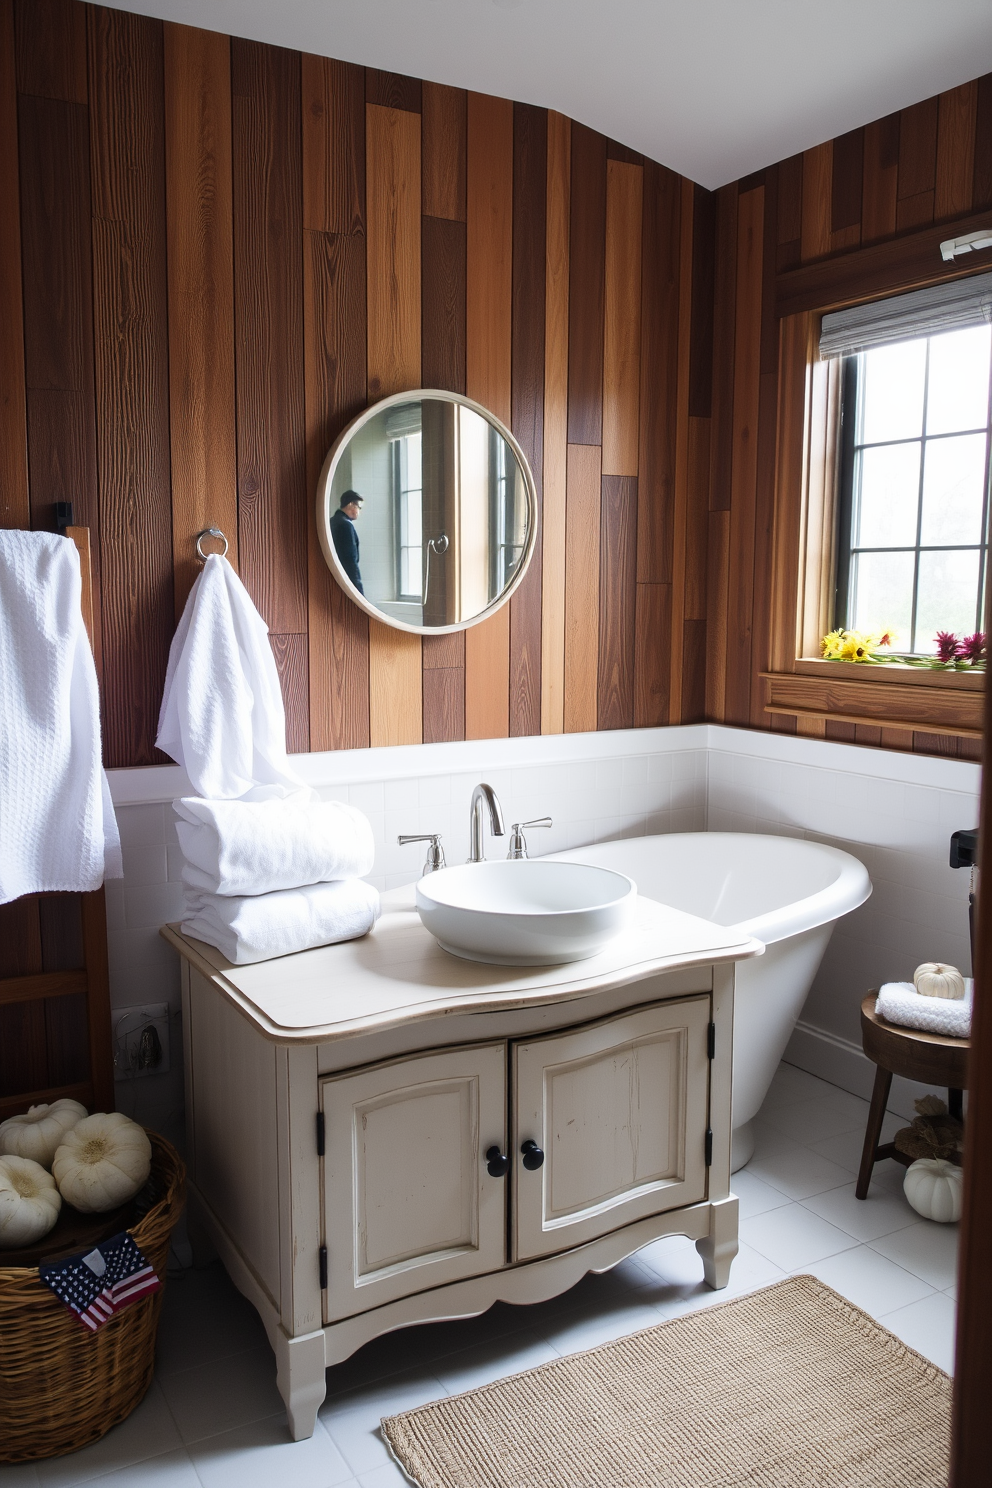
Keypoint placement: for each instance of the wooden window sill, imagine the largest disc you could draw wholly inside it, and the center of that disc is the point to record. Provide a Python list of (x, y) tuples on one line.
[(905, 698), (890, 673)]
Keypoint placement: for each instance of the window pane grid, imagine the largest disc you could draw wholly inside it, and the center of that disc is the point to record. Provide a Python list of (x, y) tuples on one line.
[(917, 494)]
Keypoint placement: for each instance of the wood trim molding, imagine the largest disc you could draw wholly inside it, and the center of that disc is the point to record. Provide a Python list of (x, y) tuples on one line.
[(13, 1105), (42, 985), (890, 674), (907, 262), (864, 700)]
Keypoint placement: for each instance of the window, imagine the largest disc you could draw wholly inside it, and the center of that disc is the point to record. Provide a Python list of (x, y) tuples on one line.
[(913, 512), (408, 486)]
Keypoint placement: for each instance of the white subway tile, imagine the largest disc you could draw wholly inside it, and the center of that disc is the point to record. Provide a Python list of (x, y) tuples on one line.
[(139, 825)]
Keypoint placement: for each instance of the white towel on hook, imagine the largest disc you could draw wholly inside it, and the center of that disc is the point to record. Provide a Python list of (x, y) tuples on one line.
[(256, 847), (259, 927), (222, 715), (899, 1002), (58, 831)]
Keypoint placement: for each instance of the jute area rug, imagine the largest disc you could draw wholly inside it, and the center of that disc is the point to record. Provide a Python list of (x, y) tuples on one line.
[(789, 1387)]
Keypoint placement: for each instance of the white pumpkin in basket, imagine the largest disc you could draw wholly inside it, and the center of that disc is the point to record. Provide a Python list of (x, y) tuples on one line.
[(29, 1202), (935, 979), (102, 1162), (933, 1187), (38, 1132)]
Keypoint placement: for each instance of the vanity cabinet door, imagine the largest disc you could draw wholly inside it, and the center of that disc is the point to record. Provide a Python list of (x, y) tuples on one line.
[(408, 1201), (619, 1109)]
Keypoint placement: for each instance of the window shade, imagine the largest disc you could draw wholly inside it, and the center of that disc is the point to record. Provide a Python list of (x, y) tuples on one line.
[(950, 306), (403, 419)]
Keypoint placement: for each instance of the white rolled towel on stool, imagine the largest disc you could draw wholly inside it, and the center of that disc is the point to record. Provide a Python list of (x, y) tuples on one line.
[(261, 926), (899, 1002), (259, 847)]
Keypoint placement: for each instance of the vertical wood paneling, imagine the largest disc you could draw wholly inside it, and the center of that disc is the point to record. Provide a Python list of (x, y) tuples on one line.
[(127, 168), (847, 176), (201, 295), (661, 246), (582, 587), (392, 90), (335, 383), (444, 124), (56, 230), (51, 49), (982, 187), (622, 333), (530, 169), (747, 352), (955, 151), (333, 97), (335, 391), (14, 501), (488, 356), (817, 198), (917, 164), (392, 142), (444, 687), (880, 179), (681, 502), (268, 205), (790, 213), (555, 425), (587, 250), (617, 592)]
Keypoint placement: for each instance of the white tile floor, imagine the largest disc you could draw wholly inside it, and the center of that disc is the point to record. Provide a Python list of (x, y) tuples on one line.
[(213, 1418)]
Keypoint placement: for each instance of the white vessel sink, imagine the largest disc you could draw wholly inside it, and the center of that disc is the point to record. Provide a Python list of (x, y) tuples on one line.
[(525, 913)]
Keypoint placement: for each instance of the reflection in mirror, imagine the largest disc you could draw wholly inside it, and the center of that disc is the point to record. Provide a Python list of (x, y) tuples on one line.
[(426, 509)]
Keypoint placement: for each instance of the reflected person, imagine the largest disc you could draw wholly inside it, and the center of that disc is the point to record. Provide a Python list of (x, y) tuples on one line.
[(345, 538)]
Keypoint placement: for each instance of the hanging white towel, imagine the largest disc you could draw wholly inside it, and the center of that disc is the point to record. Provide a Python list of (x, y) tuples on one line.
[(267, 925), (899, 1002), (256, 847), (222, 714), (58, 831)]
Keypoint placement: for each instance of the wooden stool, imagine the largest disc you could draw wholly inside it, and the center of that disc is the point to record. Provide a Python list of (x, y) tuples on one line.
[(928, 1057)]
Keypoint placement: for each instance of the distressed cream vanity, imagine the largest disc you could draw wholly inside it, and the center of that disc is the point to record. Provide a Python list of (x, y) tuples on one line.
[(381, 1134)]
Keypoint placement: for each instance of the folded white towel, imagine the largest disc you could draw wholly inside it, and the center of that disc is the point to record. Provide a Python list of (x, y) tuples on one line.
[(899, 1002), (256, 847), (222, 715), (267, 925), (57, 825)]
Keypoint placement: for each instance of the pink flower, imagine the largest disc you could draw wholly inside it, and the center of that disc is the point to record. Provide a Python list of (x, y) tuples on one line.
[(948, 646), (973, 646)]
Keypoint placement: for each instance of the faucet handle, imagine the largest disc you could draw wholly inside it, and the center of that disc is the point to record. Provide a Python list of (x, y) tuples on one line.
[(435, 853), (518, 842)]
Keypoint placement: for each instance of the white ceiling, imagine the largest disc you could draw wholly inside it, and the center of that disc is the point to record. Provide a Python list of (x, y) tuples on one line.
[(714, 89)]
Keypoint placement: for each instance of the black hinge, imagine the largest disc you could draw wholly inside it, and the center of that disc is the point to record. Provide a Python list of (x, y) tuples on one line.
[(711, 1041), (320, 1133), (323, 1268), (709, 1148)]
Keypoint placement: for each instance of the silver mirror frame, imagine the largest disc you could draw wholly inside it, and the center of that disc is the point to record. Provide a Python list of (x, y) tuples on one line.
[(324, 512)]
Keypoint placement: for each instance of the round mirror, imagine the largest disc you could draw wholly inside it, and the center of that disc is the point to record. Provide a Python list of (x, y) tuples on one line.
[(427, 512)]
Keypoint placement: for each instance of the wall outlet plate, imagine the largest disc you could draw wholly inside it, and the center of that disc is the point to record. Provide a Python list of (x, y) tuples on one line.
[(141, 1041)]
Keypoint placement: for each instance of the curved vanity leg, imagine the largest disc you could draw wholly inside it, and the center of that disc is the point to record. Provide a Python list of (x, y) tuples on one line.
[(719, 1247), (301, 1381)]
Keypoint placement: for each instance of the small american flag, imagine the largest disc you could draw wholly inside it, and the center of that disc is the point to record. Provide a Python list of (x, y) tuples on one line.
[(100, 1282)]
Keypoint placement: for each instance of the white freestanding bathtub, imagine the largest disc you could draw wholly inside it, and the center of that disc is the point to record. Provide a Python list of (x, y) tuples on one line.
[(784, 891)]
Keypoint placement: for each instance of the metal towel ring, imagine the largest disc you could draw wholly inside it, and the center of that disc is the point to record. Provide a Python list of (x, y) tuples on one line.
[(210, 532)]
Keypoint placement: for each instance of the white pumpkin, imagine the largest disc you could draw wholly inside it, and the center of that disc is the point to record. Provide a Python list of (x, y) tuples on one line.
[(935, 979), (39, 1131), (933, 1187), (102, 1162), (29, 1202)]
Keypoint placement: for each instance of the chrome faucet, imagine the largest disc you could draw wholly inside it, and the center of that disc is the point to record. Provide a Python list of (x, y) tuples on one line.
[(483, 794)]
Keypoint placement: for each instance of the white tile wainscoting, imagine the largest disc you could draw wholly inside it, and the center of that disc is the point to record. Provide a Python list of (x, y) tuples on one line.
[(894, 811)]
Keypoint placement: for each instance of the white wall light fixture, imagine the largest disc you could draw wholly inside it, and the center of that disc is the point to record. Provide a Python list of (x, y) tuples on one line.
[(954, 247)]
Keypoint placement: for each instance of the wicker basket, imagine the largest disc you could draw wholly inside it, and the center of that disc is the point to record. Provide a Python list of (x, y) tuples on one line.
[(60, 1385)]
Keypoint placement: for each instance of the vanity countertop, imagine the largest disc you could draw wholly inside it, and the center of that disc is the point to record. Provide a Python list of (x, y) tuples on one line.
[(398, 974)]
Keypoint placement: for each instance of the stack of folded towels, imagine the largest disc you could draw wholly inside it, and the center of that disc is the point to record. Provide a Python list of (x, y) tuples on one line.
[(269, 868)]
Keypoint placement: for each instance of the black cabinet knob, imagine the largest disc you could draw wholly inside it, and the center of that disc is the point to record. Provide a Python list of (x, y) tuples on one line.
[(497, 1163), (533, 1156)]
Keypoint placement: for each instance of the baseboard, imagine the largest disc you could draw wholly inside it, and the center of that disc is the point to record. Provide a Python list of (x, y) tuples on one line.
[(845, 1064)]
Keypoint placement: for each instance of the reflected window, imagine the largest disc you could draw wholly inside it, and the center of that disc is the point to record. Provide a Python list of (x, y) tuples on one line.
[(508, 548), (914, 488), (408, 486)]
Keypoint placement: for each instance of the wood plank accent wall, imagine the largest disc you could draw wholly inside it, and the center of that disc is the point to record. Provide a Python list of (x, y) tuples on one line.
[(915, 171), (215, 253)]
